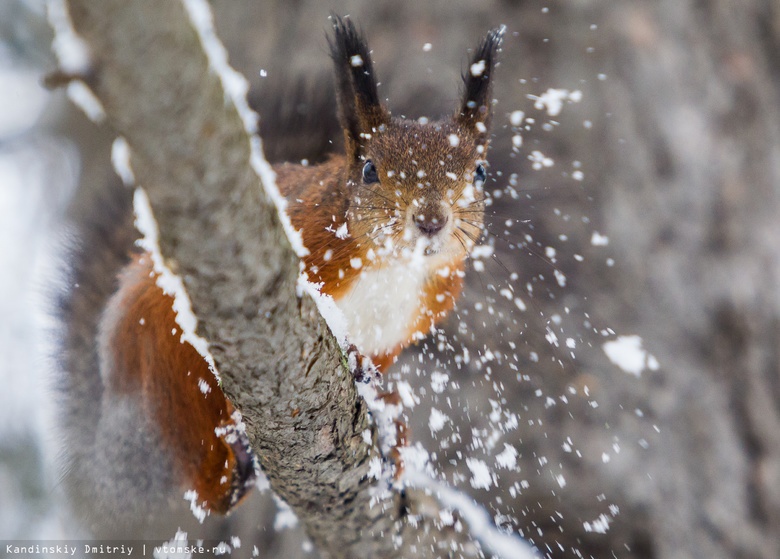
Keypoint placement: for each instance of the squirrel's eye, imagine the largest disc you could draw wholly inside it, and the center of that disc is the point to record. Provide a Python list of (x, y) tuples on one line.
[(369, 173), (480, 174)]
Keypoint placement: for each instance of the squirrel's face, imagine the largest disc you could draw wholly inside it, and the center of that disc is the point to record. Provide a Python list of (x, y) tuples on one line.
[(418, 189), (414, 188)]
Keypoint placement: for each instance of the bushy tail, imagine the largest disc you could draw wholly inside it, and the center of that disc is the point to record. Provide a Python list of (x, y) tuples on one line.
[(100, 243)]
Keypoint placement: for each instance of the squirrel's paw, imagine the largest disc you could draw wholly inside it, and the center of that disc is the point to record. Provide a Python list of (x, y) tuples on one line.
[(363, 370), (395, 456)]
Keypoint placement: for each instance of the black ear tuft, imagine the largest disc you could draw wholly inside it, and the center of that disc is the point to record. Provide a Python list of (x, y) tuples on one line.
[(476, 104), (359, 107), (350, 53)]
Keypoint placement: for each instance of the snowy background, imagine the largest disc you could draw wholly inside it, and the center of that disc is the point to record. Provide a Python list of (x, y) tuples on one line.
[(38, 171)]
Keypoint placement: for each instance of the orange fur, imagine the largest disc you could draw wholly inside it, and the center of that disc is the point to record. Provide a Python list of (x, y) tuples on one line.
[(147, 360), (318, 205), (420, 191)]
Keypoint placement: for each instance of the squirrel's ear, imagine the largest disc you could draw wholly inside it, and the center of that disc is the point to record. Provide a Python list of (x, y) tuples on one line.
[(475, 109), (360, 110)]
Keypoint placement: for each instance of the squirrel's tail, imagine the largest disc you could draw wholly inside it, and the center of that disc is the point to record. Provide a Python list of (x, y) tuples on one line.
[(99, 242)]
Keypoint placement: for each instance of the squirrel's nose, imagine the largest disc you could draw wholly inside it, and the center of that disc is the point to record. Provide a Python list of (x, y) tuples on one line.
[(430, 225)]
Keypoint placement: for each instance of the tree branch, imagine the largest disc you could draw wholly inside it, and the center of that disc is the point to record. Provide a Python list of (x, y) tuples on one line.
[(218, 230)]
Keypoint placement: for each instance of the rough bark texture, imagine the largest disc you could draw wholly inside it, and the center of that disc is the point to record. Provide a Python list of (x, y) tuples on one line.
[(279, 363)]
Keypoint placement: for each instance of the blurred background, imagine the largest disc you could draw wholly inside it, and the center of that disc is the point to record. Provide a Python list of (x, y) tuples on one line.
[(614, 364)]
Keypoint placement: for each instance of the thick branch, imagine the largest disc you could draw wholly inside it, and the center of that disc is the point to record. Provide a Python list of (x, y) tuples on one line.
[(280, 365)]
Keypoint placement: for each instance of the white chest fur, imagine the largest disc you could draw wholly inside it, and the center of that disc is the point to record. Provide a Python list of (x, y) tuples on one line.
[(382, 304)]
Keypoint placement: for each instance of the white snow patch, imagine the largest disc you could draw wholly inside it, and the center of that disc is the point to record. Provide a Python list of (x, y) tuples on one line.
[(236, 87), (598, 526), (170, 283), (285, 517), (20, 89), (437, 420), (552, 100), (481, 251), (120, 160), (507, 459), (540, 160), (416, 458), (551, 337), (175, 548), (516, 118), (652, 363), (439, 381), (384, 417), (627, 353), (598, 240), (477, 68), (408, 397), (481, 526), (375, 467), (328, 308), (204, 386), (198, 509), (454, 140), (73, 58), (481, 477), (71, 50), (446, 517), (342, 232), (82, 96)]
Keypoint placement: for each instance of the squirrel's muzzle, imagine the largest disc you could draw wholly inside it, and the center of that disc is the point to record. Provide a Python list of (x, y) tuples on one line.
[(431, 220)]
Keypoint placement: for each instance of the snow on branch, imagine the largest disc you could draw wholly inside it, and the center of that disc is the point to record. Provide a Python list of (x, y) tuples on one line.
[(482, 528), (236, 87)]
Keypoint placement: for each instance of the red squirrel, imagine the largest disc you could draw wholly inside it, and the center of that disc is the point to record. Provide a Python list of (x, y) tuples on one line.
[(390, 223), (388, 226)]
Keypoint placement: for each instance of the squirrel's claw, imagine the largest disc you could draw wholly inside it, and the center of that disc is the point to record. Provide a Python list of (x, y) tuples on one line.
[(363, 370)]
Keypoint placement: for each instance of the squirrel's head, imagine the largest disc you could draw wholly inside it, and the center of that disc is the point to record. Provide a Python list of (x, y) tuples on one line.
[(414, 186)]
